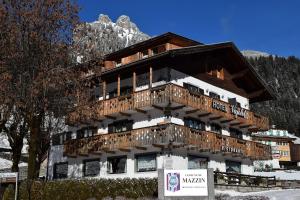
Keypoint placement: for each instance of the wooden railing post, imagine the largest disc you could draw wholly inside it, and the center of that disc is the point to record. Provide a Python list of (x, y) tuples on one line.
[(104, 90), (119, 85), (134, 81)]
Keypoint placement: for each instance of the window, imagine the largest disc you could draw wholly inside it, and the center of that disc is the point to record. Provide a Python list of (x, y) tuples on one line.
[(120, 126), (118, 62), (233, 167), (59, 139), (234, 102), (142, 79), (60, 170), (214, 95), (145, 53), (195, 124), (91, 167), (116, 165), (161, 74), (236, 133), (195, 162), (111, 89), (158, 49), (216, 128), (146, 162), (126, 86), (193, 89), (86, 132)]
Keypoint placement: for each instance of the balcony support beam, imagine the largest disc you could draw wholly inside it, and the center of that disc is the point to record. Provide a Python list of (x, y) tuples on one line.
[(191, 111), (110, 117), (141, 111), (125, 114), (204, 115), (215, 118)]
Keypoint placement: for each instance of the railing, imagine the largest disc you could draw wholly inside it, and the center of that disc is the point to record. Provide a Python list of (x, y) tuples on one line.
[(161, 135), (235, 179), (158, 95)]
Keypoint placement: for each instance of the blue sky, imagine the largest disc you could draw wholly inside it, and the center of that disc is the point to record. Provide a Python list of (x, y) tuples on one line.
[(272, 26)]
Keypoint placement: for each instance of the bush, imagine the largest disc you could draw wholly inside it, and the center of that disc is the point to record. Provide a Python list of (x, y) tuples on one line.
[(90, 189)]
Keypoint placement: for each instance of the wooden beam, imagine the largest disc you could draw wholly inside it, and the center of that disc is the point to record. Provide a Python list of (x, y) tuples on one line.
[(96, 152), (240, 74), (215, 118), (83, 154), (125, 149), (256, 93), (203, 115), (125, 114), (141, 111), (119, 85), (177, 107), (191, 111), (235, 124), (246, 126), (158, 145), (134, 81), (109, 151), (110, 117), (226, 121), (158, 107), (150, 77), (141, 148)]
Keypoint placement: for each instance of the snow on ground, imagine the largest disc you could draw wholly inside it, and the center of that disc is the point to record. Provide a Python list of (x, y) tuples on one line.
[(281, 175), (7, 164), (287, 194)]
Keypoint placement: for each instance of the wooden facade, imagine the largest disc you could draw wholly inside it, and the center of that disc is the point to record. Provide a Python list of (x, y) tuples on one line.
[(159, 97), (159, 136)]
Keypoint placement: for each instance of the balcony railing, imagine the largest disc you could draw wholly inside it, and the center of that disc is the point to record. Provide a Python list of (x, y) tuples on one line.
[(163, 95), (160, 136)]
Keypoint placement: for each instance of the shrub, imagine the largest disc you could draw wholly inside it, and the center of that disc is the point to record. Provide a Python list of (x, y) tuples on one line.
[(90, 189)]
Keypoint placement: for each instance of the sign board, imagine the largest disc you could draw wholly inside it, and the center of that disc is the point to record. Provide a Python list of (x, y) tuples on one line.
[(185, 182)]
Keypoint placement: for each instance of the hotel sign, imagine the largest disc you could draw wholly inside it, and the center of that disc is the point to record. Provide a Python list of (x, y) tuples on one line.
[(235, 110), (185, 182)]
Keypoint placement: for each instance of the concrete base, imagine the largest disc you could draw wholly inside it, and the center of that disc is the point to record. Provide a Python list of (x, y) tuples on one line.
[(211, 188)]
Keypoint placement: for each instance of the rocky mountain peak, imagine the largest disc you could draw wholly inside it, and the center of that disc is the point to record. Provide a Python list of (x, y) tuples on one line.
[(105, 36), (254, 54), (104, 19), (124, 22)]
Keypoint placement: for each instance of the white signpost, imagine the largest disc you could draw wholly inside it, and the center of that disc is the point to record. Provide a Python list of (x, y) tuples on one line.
[(186, 184), (10, 177)]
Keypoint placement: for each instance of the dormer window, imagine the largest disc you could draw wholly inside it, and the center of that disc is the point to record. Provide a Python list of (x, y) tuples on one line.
[(158, 49), (118, 62), (145, 53)]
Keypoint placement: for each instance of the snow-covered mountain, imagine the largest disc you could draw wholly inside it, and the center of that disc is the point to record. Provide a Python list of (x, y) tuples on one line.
[(105, 36), (254, 54)]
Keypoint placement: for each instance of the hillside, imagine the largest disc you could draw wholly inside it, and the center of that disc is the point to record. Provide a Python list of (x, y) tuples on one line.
[(283, 75)]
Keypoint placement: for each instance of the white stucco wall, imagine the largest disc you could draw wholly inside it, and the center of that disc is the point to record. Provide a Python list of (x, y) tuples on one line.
[(179, 78)]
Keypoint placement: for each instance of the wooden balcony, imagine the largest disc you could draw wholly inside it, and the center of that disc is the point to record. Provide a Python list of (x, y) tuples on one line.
[(160, 136), (160, 97)]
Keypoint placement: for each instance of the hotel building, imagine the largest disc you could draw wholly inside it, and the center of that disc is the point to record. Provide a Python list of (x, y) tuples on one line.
[(168, 102), (285, 149)]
